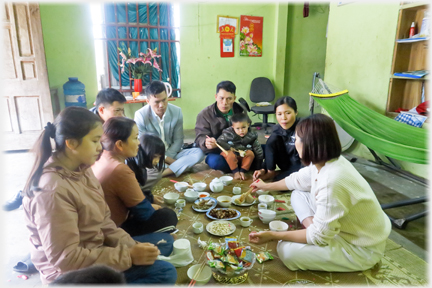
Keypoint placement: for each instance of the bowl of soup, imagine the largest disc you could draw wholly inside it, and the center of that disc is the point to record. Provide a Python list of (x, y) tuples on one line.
[(224, 201)]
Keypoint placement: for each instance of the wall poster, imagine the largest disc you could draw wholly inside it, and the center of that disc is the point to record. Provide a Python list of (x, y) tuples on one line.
[(251, 30)]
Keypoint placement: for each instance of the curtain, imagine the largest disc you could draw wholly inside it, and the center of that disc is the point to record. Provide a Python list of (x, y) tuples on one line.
[(141, 46)]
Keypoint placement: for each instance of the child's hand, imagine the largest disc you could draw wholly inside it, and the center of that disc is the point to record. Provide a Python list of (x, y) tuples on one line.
[(156, 207)]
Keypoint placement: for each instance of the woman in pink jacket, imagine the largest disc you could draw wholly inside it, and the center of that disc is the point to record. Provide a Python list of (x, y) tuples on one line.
[(66, 213)]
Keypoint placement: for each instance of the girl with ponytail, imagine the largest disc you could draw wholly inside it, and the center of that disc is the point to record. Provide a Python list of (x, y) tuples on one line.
[(66, 213)]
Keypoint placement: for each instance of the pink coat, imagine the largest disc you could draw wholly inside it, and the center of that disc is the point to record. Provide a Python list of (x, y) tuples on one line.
[(70, 224)]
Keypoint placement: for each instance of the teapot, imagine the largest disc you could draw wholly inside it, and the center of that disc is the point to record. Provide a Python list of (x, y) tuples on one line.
[(216, 185)]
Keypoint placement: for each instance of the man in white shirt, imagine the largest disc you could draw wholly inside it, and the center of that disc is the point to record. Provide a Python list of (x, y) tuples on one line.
[(166, 120)]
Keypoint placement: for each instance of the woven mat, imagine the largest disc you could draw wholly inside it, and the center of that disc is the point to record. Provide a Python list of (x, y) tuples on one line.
[(398, 267)]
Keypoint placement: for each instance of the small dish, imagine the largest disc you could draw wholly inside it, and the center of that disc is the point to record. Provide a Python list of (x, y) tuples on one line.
[(203, 278), (204, 210), (278, 226), (226, 180), (203, 194), (191, 195), (212, 225), (266, 199), (224, 201), (181, 186), (199, 186), (261, 192), (171, 197)]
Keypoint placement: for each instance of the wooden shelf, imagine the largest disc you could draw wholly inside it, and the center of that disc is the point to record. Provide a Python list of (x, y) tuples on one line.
[(406, 92), (414, 6), (409, 78)]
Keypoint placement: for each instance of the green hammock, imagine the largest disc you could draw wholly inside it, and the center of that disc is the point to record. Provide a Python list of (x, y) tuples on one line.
[(378, 132)]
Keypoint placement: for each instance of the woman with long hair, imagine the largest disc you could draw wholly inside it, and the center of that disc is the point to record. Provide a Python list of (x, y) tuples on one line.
[(66, 213), (346, 229), (130, 208)]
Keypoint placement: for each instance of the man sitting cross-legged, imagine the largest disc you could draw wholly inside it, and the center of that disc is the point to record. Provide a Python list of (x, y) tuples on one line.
[(166, 121)]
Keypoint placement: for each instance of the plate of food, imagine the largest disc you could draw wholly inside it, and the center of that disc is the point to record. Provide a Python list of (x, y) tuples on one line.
[(243, 201), (204, 204), (220, 228), (223, 214)]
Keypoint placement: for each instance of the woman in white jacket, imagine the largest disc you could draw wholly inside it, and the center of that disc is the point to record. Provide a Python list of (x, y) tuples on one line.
[(346, 229)]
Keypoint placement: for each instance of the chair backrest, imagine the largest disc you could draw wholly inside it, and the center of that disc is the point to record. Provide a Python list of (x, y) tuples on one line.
[(261, 90)]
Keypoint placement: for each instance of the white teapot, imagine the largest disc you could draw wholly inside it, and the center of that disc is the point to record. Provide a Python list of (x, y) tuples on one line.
[(216, 185)]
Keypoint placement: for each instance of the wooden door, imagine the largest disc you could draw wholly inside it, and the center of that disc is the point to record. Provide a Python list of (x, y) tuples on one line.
[(26, 95)]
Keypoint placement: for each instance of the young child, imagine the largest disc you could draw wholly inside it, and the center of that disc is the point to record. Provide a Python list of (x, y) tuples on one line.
[(130, 208), (241, 144), (151, 155), (67, 216)]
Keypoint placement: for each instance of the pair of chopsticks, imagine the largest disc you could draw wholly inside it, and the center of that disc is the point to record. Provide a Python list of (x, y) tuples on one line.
[(197, 273), (220, 147)]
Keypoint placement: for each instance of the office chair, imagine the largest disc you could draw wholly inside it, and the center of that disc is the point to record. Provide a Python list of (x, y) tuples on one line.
[(262, 90)]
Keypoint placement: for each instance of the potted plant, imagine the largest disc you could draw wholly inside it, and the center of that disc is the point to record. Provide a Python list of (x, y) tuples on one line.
[(138, 66)]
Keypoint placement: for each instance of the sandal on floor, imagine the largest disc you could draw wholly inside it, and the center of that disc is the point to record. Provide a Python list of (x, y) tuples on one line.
[(25, 265)]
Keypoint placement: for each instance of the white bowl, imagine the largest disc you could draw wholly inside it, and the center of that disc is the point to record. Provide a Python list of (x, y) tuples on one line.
[(199, 186), (224, 201), (266, 215), (267, 199), (262, 192), (278, 226), (181, 186), (191, 195), (226, 180), (203, 194), (203, 278), (171, 197)]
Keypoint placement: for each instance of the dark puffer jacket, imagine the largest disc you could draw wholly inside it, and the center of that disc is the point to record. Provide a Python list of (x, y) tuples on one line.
[(251, 138)]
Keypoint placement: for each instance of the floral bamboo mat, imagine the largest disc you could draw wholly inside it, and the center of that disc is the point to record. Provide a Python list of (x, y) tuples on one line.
[(398, 267)]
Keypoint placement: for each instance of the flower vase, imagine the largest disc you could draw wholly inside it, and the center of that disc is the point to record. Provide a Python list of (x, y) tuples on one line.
[(138, 85)]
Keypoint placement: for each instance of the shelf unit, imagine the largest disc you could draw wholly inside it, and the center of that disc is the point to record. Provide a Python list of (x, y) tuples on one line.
[(405, 92)]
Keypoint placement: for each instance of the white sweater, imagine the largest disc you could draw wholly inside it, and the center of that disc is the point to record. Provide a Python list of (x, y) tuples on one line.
[(345, 204)]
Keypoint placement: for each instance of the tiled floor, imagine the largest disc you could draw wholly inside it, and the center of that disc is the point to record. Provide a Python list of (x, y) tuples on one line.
[(387, 186)]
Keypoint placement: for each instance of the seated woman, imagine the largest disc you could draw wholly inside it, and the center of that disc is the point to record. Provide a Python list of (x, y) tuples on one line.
[(346, 229), (67, 216), (279, 148), (130, 209)]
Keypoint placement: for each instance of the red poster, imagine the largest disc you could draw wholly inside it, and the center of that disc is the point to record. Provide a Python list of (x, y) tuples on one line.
[(227, 34), (251, 30)]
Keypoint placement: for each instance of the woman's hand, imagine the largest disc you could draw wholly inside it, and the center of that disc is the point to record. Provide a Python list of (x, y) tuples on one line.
[(156, 207), (258, 174), (260, 237), (258, 184), (158, 199), (144, 254)]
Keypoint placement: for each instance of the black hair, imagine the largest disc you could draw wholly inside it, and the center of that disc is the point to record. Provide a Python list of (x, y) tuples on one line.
[(109, 96), (151, 146), (227, 86), (286, 100), (116, 128), (97, 274), (240, 117), (72, 123), (154, 88), (320, 139)]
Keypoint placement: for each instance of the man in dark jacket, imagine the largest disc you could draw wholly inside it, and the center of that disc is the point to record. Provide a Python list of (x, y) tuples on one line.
[(212, 120)]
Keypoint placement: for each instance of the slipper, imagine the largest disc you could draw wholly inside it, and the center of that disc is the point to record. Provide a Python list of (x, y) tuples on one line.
[(25, 266)]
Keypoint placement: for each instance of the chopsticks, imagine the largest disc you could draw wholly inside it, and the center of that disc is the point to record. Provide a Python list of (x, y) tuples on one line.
[(197, 273), (220, 147)]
